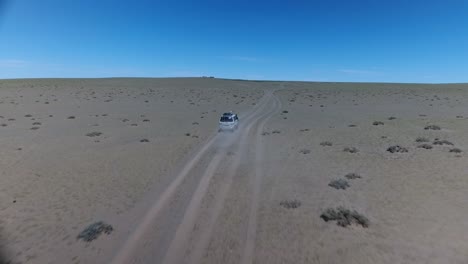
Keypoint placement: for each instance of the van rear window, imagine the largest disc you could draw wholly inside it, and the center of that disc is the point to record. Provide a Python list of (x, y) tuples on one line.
[(225, 119)]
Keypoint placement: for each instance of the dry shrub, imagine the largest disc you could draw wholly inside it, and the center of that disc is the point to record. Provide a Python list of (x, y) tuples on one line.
[(442, 142), (326, 144), (422, 139), (93, 231), (94, 134), (339, 184), (353, 176), (351, 150), (432, 127), (425, 146), (344, 217), (290, 204), (397, 149), (455, 150)]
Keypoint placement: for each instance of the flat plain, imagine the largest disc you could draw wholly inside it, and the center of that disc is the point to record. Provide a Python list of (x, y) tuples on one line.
[(316, 172)]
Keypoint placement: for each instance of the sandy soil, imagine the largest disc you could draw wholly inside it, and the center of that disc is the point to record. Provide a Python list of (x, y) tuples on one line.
[(192, 195)]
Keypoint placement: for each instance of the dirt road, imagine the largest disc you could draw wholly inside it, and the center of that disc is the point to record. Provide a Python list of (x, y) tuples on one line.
[(208, 213)]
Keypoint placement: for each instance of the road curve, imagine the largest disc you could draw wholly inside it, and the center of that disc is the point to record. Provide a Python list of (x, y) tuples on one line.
[(168, 231)]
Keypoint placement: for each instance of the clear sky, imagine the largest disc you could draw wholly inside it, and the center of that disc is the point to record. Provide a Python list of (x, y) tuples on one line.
[(379, 40)]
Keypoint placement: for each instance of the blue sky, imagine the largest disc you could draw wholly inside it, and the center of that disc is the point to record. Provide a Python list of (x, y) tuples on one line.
[(374, 40)]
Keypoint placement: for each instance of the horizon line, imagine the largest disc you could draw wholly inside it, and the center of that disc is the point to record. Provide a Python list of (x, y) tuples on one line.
[(220, 78)]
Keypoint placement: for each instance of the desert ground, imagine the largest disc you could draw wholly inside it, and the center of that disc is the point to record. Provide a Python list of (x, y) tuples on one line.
[(315, 173)]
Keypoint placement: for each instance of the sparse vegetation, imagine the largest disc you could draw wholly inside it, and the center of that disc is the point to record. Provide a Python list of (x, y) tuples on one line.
[(94, 230), (432, 127), (397, 149), (352, 176), (339, 184), (425, 146), (94, 134), (290, 204), (304, 151), (351, 150), (455, 150), (378, 123), (442, 142), (344, 217), (276, 132), (422, 139), (326, 144)]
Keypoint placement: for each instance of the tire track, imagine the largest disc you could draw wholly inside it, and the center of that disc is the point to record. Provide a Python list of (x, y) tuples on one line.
[(202, 242), (179, 243), (130, 246), (124, 255), (248, 254)]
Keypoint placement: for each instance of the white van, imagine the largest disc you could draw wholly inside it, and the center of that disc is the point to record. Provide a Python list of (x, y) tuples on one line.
[(228, 122)]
